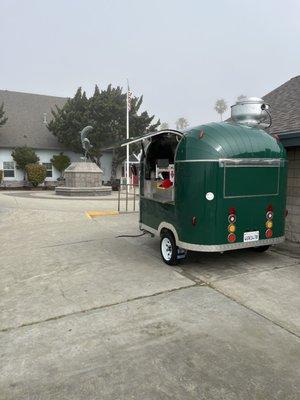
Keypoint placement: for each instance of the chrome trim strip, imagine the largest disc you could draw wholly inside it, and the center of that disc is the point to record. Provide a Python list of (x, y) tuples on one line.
[(250, 195), (214, 247), (255, 162), (231, 246), (202, 160), (260, 161)]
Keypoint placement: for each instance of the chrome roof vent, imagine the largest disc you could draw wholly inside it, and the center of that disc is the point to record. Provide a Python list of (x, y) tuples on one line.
[(251, 111)]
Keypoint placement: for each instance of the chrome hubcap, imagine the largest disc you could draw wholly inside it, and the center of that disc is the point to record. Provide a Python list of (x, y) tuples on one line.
[(166, 249)]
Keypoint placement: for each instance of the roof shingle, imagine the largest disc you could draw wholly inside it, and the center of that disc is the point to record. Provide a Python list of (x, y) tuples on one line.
[(285, 106), (25, 126)]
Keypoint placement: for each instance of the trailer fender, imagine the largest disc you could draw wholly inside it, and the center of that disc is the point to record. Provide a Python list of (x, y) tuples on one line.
[(170, 227)]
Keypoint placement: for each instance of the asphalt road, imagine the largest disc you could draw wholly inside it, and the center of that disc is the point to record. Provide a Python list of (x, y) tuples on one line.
[(86, 315)]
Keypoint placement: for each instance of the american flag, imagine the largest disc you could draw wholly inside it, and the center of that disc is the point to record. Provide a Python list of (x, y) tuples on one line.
[(129, 98)]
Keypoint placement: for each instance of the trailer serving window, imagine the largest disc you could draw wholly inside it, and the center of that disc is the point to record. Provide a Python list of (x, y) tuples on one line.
[(158, 164), (159, 168), (250, 177)]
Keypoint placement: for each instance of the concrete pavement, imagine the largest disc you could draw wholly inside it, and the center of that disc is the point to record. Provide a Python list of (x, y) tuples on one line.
[(85, 315)]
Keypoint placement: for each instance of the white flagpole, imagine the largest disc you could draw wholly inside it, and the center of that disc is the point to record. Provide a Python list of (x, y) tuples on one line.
[(127, 136)]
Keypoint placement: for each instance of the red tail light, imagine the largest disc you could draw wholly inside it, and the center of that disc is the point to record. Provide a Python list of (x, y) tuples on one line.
[(231, 237), (232, 210), (232, 215), (269, 233)]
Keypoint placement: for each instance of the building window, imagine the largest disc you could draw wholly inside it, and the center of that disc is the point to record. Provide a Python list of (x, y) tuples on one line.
[(49, 169), (8, 169)]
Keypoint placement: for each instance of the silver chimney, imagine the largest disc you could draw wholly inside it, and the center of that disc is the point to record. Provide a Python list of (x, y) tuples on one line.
[(251, 111)]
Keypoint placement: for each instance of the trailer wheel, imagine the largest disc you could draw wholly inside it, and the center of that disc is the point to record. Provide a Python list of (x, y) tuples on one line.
[(261, 249), (168, 248)]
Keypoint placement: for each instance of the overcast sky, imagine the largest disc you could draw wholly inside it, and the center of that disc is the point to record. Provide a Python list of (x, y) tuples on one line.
[(181, 55)]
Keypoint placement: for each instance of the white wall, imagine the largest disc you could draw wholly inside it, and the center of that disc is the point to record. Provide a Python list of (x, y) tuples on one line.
[(45, 157), (5, 155)]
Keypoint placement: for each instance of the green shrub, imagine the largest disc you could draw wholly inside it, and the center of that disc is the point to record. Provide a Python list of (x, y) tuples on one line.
[(60, 162), (24, 156), (36, 173)]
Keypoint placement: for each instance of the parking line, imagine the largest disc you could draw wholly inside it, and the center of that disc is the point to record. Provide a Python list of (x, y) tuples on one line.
[(94, 214)]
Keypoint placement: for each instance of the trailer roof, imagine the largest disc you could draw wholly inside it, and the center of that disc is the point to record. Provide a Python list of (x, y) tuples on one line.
[(227, 140), (145, 137)]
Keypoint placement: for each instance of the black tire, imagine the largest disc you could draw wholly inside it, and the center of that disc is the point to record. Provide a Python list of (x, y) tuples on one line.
[(261, 249), (168, 248)]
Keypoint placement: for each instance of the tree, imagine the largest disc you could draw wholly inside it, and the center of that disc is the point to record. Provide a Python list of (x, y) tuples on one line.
[(181, 124), (221, 107), (106, 112), (36, 173), (61, 162), (3, 119), (164, 125), (69, 120), (24, 156)]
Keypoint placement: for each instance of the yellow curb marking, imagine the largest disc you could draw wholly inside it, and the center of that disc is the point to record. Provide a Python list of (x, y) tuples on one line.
[(93, 214)]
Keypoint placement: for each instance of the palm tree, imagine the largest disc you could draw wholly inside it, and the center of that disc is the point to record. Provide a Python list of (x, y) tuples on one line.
[(221, 107), (241, 97), (164, 125), (181, 123)]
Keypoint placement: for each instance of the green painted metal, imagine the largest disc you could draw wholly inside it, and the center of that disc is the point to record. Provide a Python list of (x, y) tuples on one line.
[(248, 189)]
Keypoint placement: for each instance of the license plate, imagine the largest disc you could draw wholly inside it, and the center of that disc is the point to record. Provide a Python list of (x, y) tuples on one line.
[(251, 236)]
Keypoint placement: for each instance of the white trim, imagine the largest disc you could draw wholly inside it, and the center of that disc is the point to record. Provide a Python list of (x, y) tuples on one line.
[(48, 178), (150, 135), (148, 229), (210, 248)]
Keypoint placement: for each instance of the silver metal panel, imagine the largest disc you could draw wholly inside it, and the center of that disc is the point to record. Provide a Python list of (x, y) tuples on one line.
[(251, 162), (231, 246), (214, 247)]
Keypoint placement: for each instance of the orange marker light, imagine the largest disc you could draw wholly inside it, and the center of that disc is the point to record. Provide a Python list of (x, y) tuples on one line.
[(269, 224), (231, 228)]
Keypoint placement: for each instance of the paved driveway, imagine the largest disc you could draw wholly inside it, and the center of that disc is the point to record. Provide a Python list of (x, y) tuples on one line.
[(86, 315)]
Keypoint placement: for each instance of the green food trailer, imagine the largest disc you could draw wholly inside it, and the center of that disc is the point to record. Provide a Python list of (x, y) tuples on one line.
[(226, 187)]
